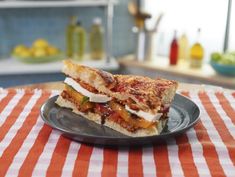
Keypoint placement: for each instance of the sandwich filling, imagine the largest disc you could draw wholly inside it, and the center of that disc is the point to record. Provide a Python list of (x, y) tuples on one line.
[(88, 99), (93, 97)]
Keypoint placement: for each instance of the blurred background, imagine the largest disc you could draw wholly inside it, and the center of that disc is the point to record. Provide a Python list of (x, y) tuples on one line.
[(188, 40)]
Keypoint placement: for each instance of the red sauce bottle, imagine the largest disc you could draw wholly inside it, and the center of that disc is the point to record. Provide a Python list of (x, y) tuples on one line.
[(174, 51)]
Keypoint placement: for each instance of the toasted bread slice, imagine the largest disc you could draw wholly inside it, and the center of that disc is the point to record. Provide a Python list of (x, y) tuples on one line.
[(101, 80), (144, 93)]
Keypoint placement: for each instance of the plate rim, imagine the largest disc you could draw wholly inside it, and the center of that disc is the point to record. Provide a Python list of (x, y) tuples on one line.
[(125, 137)]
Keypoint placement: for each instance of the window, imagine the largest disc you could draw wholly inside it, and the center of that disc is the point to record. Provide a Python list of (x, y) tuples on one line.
[(187, 16)]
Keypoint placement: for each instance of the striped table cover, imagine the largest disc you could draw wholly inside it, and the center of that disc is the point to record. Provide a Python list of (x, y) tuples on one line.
[(28, 147)]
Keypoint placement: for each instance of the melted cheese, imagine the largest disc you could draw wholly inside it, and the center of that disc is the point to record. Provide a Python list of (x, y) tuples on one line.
[(93, 97), (145, 115)]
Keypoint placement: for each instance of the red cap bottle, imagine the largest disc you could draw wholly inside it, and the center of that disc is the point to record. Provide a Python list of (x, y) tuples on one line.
[(174, 51)]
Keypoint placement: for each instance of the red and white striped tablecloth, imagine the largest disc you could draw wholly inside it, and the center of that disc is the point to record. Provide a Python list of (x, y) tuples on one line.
[(28, 147)]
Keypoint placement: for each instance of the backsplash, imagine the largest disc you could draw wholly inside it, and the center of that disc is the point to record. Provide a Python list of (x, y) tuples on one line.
[(23, 26)]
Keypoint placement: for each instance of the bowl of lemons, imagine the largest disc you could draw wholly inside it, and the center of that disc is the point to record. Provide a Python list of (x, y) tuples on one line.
[(223, 63), (40, 52)]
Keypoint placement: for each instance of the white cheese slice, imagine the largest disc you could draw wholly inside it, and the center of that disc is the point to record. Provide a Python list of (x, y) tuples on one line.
[(93, 97), (145, 115)]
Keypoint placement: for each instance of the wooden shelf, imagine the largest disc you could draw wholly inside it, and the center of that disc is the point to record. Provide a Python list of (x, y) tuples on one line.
[(11, 66), (182, 70), (65, 3)]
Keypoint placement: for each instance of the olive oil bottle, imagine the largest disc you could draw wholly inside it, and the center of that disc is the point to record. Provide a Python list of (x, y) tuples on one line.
[(196, 53), (183, 47), (96, 40), (79, 41), (69, 37)]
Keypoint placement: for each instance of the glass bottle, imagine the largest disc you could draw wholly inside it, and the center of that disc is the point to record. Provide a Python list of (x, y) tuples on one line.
[(79, 41), (69, 37), (196, 53), (174, 51), (96, 40), (183, 47)]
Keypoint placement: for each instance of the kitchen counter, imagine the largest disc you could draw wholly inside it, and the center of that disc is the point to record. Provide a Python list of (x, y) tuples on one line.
[(13, 72), (159, 67)]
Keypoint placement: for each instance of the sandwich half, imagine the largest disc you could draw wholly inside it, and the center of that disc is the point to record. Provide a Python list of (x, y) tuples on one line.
[(132, 105)]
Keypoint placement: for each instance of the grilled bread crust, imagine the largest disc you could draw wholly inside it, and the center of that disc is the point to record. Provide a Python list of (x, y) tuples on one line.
[(137, 91), (98, 79), (147, 93)]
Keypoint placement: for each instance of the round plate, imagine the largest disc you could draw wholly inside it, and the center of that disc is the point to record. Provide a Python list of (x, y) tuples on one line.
[(183, 114)]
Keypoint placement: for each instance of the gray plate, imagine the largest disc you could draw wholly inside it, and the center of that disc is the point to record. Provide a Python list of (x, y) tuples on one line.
[(183, 114)]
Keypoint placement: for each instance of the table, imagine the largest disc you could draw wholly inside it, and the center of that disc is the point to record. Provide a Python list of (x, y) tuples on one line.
[(28, 147)]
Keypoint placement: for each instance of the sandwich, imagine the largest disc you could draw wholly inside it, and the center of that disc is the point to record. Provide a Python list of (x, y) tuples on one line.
[(132, 105)]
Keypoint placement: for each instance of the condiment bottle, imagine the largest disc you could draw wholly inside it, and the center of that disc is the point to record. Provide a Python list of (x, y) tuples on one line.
[(183, 47), (96, 40), (174, 51), (79, 41), (196, 53), (69, 37)]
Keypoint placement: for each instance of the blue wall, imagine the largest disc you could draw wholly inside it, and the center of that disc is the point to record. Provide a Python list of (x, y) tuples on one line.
[(25, 25)]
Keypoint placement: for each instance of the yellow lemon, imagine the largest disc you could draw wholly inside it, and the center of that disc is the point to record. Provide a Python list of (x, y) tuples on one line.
[(51, 50), (18, 49), (32, 50), (40, 43), (25, 53), (39, 52)]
